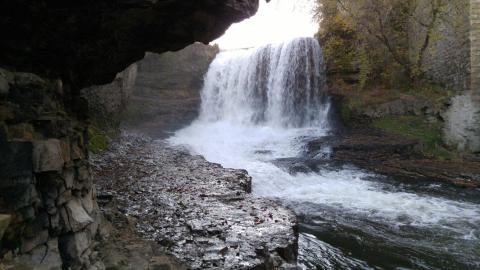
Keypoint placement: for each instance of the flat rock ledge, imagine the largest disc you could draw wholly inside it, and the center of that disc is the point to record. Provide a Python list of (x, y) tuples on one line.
[(200, 212)]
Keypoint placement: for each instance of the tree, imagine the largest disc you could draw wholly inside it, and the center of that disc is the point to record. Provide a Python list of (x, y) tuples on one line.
[(404, 29)]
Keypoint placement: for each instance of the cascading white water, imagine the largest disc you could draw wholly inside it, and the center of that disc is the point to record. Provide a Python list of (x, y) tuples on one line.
[(277, 85), (261, 105)]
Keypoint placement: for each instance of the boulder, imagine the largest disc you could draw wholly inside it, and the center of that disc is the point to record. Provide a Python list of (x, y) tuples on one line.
[(77, 218)]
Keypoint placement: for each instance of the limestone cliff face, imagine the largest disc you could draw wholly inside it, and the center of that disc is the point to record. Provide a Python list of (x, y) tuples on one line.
[(166, 94), (154, 96), (107, 101), (49, 50), (46, 188)]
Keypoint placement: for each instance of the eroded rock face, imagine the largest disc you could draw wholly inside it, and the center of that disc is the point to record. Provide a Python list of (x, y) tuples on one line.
[(166, 95), (156, 95), (88, 42), (45, 187), (108, 101), (462, 127)]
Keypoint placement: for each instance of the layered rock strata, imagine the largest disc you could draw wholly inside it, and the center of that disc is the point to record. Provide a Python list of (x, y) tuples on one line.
[(46, 187)]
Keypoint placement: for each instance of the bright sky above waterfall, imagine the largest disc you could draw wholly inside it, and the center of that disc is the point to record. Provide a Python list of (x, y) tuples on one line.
[(276, 21)]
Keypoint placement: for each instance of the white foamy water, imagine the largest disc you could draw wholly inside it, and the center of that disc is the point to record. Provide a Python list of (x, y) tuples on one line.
[(261, 105), (253, 148)]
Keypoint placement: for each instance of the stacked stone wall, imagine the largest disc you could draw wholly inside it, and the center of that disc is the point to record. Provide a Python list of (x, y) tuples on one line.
[(47, 195)]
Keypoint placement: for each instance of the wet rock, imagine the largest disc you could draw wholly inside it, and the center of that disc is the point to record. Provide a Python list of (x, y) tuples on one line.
[(201, 212), (47, 156), (396, 156)]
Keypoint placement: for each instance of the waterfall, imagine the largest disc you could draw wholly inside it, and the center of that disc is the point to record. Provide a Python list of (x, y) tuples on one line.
[(259, 109), (279, 85)]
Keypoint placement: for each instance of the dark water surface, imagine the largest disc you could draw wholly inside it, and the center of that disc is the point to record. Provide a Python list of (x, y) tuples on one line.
[(336, 238)]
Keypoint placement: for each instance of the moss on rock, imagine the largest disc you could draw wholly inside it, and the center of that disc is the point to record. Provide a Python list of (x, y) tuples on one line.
[(418, 127), (97, 140)]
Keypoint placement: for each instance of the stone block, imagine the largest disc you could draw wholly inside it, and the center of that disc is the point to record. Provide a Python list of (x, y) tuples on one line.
[(97, 266), (23, 131), (4, 86), (28, 80), (68, 176), (4, 222), (26, 213), (6, 113), (51, 207), (76, 152), (64, 197), (88, 202), (78, 218), (55, 223), (83, 173), (65, 151), (20, 195), (43, 257), (16, 163), (73, 245), (28, 244), (47, 156)]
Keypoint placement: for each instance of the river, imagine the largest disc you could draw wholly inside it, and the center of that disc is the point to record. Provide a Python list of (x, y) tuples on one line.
[(260, 107)]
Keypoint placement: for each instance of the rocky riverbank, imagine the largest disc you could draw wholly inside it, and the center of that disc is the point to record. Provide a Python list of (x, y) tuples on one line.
[(394, 155), (394, 133), (199, 212)]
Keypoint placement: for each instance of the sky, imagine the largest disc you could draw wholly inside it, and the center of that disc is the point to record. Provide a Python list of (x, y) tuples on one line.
[(274, 22)]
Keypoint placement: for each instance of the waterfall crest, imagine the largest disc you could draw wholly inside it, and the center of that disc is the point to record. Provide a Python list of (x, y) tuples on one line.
[(279, 85)]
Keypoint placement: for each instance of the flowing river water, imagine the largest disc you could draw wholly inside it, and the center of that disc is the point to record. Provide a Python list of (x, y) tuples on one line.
[(261, 106)]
